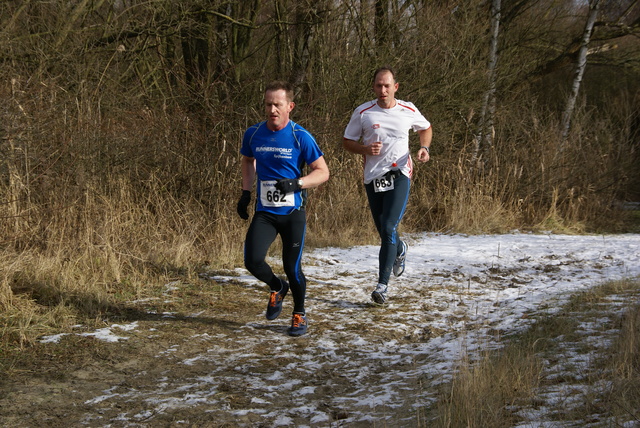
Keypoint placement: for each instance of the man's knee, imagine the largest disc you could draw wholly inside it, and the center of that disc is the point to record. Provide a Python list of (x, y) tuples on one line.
[(389, 234), (253, 264)]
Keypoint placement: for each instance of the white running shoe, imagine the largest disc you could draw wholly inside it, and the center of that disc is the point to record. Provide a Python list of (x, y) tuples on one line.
[(379, 295), (398, 264)]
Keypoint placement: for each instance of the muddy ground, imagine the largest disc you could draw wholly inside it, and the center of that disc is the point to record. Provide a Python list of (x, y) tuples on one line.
[(200, 353), (217, 362)]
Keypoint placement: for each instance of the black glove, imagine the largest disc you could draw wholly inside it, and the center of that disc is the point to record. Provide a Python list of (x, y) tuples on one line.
[(288, 185), (243, 203)]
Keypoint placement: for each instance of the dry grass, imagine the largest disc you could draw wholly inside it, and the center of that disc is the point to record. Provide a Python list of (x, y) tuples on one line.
[(481, 394), (103, 205), (624, 362), (117, 176), (502, 387)]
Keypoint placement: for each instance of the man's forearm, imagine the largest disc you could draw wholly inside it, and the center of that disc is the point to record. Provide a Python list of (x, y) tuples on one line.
[(354, 146), (318, 175), (248, 166)]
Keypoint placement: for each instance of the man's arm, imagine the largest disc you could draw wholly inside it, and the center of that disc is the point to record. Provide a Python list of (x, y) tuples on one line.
[(353, 146), (425, 141), (248, 168), (318, 175)]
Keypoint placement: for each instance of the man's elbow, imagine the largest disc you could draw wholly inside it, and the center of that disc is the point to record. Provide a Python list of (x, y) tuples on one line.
[(326, 176), (322, 174)]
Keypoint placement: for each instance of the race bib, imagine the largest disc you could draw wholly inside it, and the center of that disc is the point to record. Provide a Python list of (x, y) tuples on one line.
[(272, 197), (384, 183)]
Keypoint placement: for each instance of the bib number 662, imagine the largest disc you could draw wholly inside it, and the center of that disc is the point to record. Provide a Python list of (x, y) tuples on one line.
[(276, 196), (272, 197)]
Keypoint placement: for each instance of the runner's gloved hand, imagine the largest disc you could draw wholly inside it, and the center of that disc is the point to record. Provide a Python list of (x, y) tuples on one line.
[(288, 185), (243, 204)]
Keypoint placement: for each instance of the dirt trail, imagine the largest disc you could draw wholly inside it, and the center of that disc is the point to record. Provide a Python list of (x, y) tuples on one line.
[(202, 353), (223, 368)]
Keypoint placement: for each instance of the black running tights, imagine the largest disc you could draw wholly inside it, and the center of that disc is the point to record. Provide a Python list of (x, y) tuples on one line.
[(262, 232)]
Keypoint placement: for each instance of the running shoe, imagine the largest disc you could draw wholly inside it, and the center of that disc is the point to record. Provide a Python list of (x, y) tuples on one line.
[(274, 307), (298, 325), (398, 264), (379, 295)]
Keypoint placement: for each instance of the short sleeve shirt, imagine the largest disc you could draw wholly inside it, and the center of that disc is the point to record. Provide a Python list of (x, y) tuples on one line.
[(279, 154), (391, 126)]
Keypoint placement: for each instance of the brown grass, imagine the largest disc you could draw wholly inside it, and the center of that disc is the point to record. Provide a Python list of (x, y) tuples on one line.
[(501, 385), (116, 174), (102, 203)]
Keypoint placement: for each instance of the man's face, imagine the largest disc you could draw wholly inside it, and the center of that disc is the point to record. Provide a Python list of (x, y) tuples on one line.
[(277, 108), (385, 88)]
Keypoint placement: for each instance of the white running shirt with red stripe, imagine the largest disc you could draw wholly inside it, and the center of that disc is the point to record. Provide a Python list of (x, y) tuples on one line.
[(391, 127)]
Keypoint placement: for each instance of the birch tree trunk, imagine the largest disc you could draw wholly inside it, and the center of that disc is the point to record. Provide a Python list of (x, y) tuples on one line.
[(484, 139), (580, 67)]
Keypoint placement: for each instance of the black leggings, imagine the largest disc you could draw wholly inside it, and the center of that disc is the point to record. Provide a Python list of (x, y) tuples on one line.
[(387, 209), (261, 234)]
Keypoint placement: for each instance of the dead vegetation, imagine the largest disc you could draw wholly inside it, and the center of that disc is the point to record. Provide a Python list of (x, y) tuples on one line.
[(576, 367), (119, 149)]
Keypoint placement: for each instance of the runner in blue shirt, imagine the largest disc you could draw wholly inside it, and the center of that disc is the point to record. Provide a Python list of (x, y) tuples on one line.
[(274, 153)]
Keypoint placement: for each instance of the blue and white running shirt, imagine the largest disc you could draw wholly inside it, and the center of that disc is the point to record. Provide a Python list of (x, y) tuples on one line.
[(279, 154)]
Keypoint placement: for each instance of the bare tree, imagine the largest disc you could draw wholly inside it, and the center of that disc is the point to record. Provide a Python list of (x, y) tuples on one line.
[(195, 48)]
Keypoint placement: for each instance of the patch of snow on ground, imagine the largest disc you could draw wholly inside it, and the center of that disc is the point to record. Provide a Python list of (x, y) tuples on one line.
[(456, 293)]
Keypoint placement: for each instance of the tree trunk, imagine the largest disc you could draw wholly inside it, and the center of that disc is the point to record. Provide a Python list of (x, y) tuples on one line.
[(282, 38), (245, 12), (195, 51), (484, 140), (307, 17), (580, 67), (381, 22)]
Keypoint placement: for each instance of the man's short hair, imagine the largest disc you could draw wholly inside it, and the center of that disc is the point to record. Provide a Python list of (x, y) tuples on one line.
[(277, 85), (384, 69)]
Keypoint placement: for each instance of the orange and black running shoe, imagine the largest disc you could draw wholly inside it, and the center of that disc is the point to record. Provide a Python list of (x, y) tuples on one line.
[(298, 325), (274, 307)]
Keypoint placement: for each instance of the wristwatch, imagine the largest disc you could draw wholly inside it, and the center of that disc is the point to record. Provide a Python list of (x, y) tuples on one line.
[(300, 182)]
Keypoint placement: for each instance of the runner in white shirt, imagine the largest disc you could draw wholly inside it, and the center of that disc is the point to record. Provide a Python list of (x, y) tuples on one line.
[(379, 130)]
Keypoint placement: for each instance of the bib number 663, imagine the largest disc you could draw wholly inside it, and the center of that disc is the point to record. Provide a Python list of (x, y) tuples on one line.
[(384, 183)]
